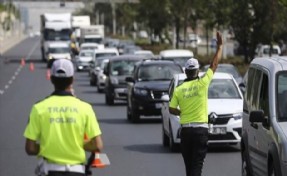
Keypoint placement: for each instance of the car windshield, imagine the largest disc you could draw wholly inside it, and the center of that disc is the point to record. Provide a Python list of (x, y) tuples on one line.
[(89, 47), (86, 54), (221, 89), (158, 72), (59, 50), (282, 95), (103, 65), (179, 60), (105, 54), (122, 67)]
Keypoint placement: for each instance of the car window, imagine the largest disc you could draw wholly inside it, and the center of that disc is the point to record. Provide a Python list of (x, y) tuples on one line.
[(171, 88), (249, 85), (86, 54), (267, 50), (282, 96), (179, 60), (122, 67), (263, 98), (223, 89), (104, 54), (158, 72), (255, 90)]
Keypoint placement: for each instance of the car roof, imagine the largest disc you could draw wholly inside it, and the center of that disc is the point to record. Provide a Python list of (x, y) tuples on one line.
[(106, 50), (176, 52), (273, 63), (128, 57), (156, 61)]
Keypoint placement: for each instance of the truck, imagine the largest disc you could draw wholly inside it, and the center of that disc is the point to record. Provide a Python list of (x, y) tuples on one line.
[(79, 22), (92, 34), (54, 27)]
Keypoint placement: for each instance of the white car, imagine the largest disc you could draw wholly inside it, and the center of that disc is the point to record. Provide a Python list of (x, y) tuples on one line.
[(263, 50), (179, 56), (91, 46), (84, 59), (149, 54), (225, 103)]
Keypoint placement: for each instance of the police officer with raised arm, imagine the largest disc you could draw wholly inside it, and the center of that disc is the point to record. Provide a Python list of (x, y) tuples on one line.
[(189, 101)]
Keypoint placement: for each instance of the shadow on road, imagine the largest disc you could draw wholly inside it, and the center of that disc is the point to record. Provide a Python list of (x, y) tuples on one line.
[(148, 148), (214, 148)]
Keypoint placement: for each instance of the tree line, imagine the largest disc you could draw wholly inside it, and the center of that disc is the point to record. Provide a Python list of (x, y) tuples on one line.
[(251, 21)]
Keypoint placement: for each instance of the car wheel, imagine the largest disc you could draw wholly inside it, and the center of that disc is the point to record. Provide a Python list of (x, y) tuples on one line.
[(245, 165), (165, 139), (109, 99), (172, 145), (135, 117)]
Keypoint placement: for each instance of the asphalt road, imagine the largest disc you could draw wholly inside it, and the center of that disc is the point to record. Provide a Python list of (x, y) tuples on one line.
[(133, 149)]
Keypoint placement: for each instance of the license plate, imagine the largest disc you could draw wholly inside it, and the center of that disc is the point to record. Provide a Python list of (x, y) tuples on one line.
[(158, 105), (217, 130)]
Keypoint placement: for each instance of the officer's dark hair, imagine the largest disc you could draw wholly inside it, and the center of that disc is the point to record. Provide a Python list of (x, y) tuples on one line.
[(61, 83), (191, 73)]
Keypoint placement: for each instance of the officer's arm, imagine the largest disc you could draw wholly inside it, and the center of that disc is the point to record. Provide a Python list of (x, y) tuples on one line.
[(31, 147), (217, 56), (94, 145), (174, 111)]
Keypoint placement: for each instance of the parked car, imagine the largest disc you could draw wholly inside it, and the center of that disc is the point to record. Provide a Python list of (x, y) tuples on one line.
[(83, 60), (264, 130), (227, 68), (146, 86), (225, 104), (95, 69), (116, 72), (179, 56)]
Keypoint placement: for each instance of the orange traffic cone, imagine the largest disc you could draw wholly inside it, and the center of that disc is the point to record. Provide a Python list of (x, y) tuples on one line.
[(97, 161), (22, 62), (48, 74), (32, 66)]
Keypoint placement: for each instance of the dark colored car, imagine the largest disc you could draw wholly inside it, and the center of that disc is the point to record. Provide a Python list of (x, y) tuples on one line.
[(148, 84), (117, 70)]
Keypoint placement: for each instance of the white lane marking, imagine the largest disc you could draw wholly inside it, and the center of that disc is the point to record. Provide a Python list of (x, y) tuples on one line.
[(19, 69)]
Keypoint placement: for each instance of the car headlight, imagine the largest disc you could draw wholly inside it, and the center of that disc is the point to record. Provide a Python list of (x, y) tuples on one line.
[(237, 116), (140, 91), (114, 80), (102, 77)]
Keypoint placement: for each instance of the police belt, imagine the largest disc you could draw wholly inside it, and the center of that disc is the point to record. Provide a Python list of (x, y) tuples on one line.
[(195, 125), (43, 167), (66, 168)]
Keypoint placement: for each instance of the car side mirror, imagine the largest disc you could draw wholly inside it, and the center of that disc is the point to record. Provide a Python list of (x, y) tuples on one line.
[(165, 98), (256, 116), (130, 79)]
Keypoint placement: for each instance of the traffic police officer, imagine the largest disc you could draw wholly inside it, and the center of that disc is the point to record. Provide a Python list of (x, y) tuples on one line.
[(57, 126), (191, 98)]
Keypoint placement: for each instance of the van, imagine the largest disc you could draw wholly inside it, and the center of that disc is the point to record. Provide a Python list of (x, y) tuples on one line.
[(264, 50), (264, 122), (180, 56)]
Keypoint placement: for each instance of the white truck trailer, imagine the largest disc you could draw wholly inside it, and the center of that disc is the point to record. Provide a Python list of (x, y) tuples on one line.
[(79, 22), (93, 34), (54, 27)]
